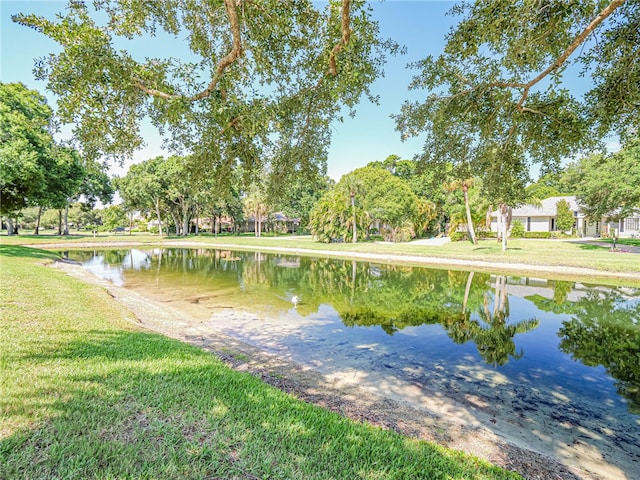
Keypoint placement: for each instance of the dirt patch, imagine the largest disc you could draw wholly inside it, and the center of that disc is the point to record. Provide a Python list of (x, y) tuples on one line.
[(345, 398)]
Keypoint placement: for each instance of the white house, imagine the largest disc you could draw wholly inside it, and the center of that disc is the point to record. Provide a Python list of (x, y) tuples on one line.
[(542, 218)]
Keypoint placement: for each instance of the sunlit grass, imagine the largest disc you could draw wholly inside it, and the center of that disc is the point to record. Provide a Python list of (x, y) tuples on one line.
[(87, 395)]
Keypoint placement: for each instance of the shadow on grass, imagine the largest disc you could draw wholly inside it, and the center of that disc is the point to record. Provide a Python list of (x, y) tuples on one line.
[(50, 236), (589, 246), (25, 252), (132, 405), (496, 249)]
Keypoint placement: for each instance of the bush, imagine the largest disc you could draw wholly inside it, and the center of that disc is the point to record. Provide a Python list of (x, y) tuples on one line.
[(517, 230), (458, 236), (537, 235)]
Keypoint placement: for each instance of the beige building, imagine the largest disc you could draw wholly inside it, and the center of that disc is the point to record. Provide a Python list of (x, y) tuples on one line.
[(542, 218)]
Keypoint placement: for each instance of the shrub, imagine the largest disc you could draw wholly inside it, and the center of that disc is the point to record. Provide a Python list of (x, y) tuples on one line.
[(458, 236), (517, 229), (564, 216), (537, 235)]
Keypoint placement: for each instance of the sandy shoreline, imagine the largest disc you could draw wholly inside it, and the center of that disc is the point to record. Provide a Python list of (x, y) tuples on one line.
[(456, 423)]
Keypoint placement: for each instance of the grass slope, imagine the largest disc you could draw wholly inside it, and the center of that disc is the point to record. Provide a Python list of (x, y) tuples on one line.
[(86, 395)]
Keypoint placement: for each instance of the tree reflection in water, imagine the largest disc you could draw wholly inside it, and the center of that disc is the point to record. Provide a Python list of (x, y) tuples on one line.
[(491, 332), (603, 326), (608, 336)]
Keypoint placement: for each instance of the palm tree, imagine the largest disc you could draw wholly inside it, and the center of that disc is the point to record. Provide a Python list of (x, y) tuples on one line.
[(255, 204), (352, 186), (464, 185)]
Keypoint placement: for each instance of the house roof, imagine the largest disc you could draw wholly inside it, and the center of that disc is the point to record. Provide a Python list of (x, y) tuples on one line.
[(547, 208)]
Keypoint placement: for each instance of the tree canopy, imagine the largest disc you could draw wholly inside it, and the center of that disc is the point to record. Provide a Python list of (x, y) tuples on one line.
[(608, 185), (261, 81), (497, 101), (27, 149)]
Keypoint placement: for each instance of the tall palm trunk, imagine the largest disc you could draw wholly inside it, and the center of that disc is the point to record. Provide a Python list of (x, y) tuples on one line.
[(504, 221), (467, 291), (353, 214), (472, 232)]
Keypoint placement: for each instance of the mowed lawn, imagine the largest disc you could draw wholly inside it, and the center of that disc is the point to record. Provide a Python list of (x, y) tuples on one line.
[(85, 394)]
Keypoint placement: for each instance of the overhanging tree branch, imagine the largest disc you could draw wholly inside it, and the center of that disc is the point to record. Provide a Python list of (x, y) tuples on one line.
[(230, 57), (231, 6), (346, 34), (608, 10), (577, 41), (225, 62)]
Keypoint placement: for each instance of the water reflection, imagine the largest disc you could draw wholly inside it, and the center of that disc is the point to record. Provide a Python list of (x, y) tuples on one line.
[(500, 318)]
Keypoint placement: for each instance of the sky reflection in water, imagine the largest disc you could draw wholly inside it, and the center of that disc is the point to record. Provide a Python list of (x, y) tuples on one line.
[(527, 330), (529, 351)]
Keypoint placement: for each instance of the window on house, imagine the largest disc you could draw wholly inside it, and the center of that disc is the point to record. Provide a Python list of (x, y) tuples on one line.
[(528, 224), (632, 223)]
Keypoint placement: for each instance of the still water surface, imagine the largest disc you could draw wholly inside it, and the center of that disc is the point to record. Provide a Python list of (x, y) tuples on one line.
[(551, 356)]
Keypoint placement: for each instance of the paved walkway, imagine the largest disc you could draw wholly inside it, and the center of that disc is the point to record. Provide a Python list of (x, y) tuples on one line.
[(436, 242), (619, 247)]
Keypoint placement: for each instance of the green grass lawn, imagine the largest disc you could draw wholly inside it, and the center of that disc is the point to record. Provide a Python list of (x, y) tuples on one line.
[(87, 395)]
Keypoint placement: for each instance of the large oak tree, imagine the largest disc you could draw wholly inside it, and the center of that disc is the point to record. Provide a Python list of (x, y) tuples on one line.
[(262, 79)]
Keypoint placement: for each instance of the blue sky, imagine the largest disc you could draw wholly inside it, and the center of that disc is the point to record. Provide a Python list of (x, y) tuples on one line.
[(418, 25)]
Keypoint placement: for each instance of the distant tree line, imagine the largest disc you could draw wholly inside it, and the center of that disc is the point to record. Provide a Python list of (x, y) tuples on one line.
[(35, 170)]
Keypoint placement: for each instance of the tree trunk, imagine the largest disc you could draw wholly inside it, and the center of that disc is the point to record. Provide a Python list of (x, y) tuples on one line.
[(60, 222), (504, 223), (175, 222), (37, 232), (354, 273), (10, 230), (467, 290), (487, 218), (185, 223), (157, 202), (130, 222), (353, 214), (66, 220), (472, 233)]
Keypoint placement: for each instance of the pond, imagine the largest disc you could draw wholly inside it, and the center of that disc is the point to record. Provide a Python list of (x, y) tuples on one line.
[(554, 364)]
